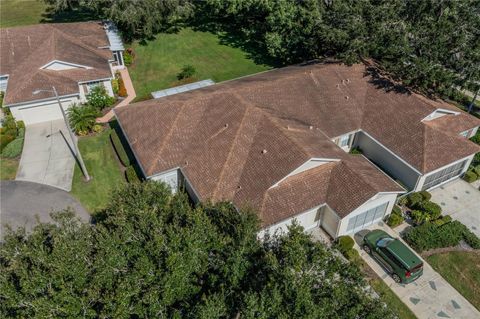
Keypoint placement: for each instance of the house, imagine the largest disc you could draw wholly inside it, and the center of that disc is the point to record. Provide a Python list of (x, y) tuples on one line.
[(279, 142), (72, 57)]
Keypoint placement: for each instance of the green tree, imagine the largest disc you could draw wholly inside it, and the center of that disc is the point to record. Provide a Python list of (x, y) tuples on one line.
[(82, 118), (150, 254)]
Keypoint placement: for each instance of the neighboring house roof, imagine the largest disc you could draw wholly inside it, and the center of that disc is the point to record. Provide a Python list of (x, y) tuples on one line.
[(25, 50), (237, 139)]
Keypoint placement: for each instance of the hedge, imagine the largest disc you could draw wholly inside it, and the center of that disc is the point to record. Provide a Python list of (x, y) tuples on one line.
[(430, 236), (426, 195), (397, 210), (13, 149), (118, 146), (433, 209), (443, 220), (344, 244), (414, 198), (470, 177), (131, 175), (395, 219)]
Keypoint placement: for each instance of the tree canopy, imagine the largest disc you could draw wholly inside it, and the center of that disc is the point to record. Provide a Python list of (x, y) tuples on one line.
[(150, 254)]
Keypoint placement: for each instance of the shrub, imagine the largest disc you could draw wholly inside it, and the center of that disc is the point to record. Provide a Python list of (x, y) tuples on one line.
[(97, 128), (115, 86), (119, 149), (403, 201), (82, 118), (394, 220), (128, 56), (413, 199), (433, 209), (344, 244), (470, 176), (430, 236), (476, 138), (426, 195), (99, 98), (354, 257), (419, 217), (397, 210), (13, 149), (20, 124), (476, 169), (21, 132), (356, 151), (442, 220), (187, 72), (131, 175), (122, 90), (5, 139)]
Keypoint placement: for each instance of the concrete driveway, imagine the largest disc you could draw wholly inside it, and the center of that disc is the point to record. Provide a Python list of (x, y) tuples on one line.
[(430, 296), (460, 200), (47, 157), (23, 202)]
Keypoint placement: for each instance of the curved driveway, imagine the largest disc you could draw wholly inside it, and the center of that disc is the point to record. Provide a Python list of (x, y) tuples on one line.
[(21, 202)]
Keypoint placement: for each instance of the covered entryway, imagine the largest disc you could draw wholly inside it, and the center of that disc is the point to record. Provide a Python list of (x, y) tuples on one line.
[(366, 218)]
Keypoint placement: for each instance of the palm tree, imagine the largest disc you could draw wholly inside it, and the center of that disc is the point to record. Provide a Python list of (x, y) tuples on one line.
[(82, 118)]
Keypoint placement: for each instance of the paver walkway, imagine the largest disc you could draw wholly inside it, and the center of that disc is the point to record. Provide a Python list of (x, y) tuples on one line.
[(47, 157), (130, 96), (430, 296), (460, 200)]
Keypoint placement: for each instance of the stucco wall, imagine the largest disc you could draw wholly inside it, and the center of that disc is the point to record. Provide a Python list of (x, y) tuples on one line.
[(386, 161), (375, 201)]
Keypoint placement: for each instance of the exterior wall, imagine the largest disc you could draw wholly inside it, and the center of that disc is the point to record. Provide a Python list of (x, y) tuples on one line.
[(388, 162), (307, 219), (373, 202), (41, 111), (171, 178), (83, 89), (423, 178), (3, 82)]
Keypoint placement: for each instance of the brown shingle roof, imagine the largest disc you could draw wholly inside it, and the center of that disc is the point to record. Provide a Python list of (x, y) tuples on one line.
[(25, 50), (237, 139)]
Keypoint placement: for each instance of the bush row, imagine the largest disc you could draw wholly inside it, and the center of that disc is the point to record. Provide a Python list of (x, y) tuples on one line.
[(430, 236), (119, 149)]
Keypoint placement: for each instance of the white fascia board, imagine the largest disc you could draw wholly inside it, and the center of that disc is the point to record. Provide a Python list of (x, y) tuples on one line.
[(401, 159), (67, 63), (95, 80), (41, 100), (131, 148), (442, 111), (314, 159)]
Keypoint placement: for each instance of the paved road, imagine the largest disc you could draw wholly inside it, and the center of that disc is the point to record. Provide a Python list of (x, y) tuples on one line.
[(47, 157), (430, 296), (460, 200), (21, 202)]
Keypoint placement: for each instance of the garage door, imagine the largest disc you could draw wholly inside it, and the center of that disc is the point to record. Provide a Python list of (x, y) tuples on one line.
[(366, 218), (40, 113)]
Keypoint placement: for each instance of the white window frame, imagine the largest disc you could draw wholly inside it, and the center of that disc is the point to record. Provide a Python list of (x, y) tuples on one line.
[(344, 140)]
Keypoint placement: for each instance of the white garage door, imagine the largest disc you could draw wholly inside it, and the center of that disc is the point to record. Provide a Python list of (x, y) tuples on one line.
[(40, 113), (366, 218)]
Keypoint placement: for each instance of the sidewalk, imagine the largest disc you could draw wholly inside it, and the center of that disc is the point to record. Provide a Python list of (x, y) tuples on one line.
[(130, 96)]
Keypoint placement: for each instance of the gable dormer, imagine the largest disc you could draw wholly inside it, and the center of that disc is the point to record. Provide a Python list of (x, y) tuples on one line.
[(311, 163), (439, 113), (57, 65)]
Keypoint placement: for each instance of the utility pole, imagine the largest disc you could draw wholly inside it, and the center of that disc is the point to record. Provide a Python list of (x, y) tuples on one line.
[(77, 154)]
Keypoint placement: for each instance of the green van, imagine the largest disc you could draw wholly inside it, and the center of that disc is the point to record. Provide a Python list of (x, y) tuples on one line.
[(402, 264)]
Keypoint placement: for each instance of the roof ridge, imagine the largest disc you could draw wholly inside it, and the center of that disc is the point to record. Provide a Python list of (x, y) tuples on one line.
[(230, 151)]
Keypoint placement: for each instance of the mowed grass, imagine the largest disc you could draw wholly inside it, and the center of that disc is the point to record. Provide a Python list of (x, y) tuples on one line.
[(8, 168), (462, 271), (158, 62), (15, 13), (104, 168)]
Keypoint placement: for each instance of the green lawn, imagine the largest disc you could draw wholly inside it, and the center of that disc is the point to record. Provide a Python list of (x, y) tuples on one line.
[(8, 168), (103, 167), (462, 271), (391, 299), (21, 12), (159, 61)]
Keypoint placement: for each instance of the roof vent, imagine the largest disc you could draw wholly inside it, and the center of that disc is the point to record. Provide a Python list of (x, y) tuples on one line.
[(337, 85), (310, 127), (239, 187), (346, 97), (226, 125), (264, 151), (186, 163), (348, 80), (288, 127)]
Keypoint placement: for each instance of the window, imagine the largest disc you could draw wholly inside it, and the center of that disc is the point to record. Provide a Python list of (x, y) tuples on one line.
[(465, 134), (344, 140), (443, 175), (91, 85), (366, 218)]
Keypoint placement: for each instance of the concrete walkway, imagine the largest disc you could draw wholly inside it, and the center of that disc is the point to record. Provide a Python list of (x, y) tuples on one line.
[(23, 204), (47, 157), (460, 200), (430, 296), (130, 96)]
